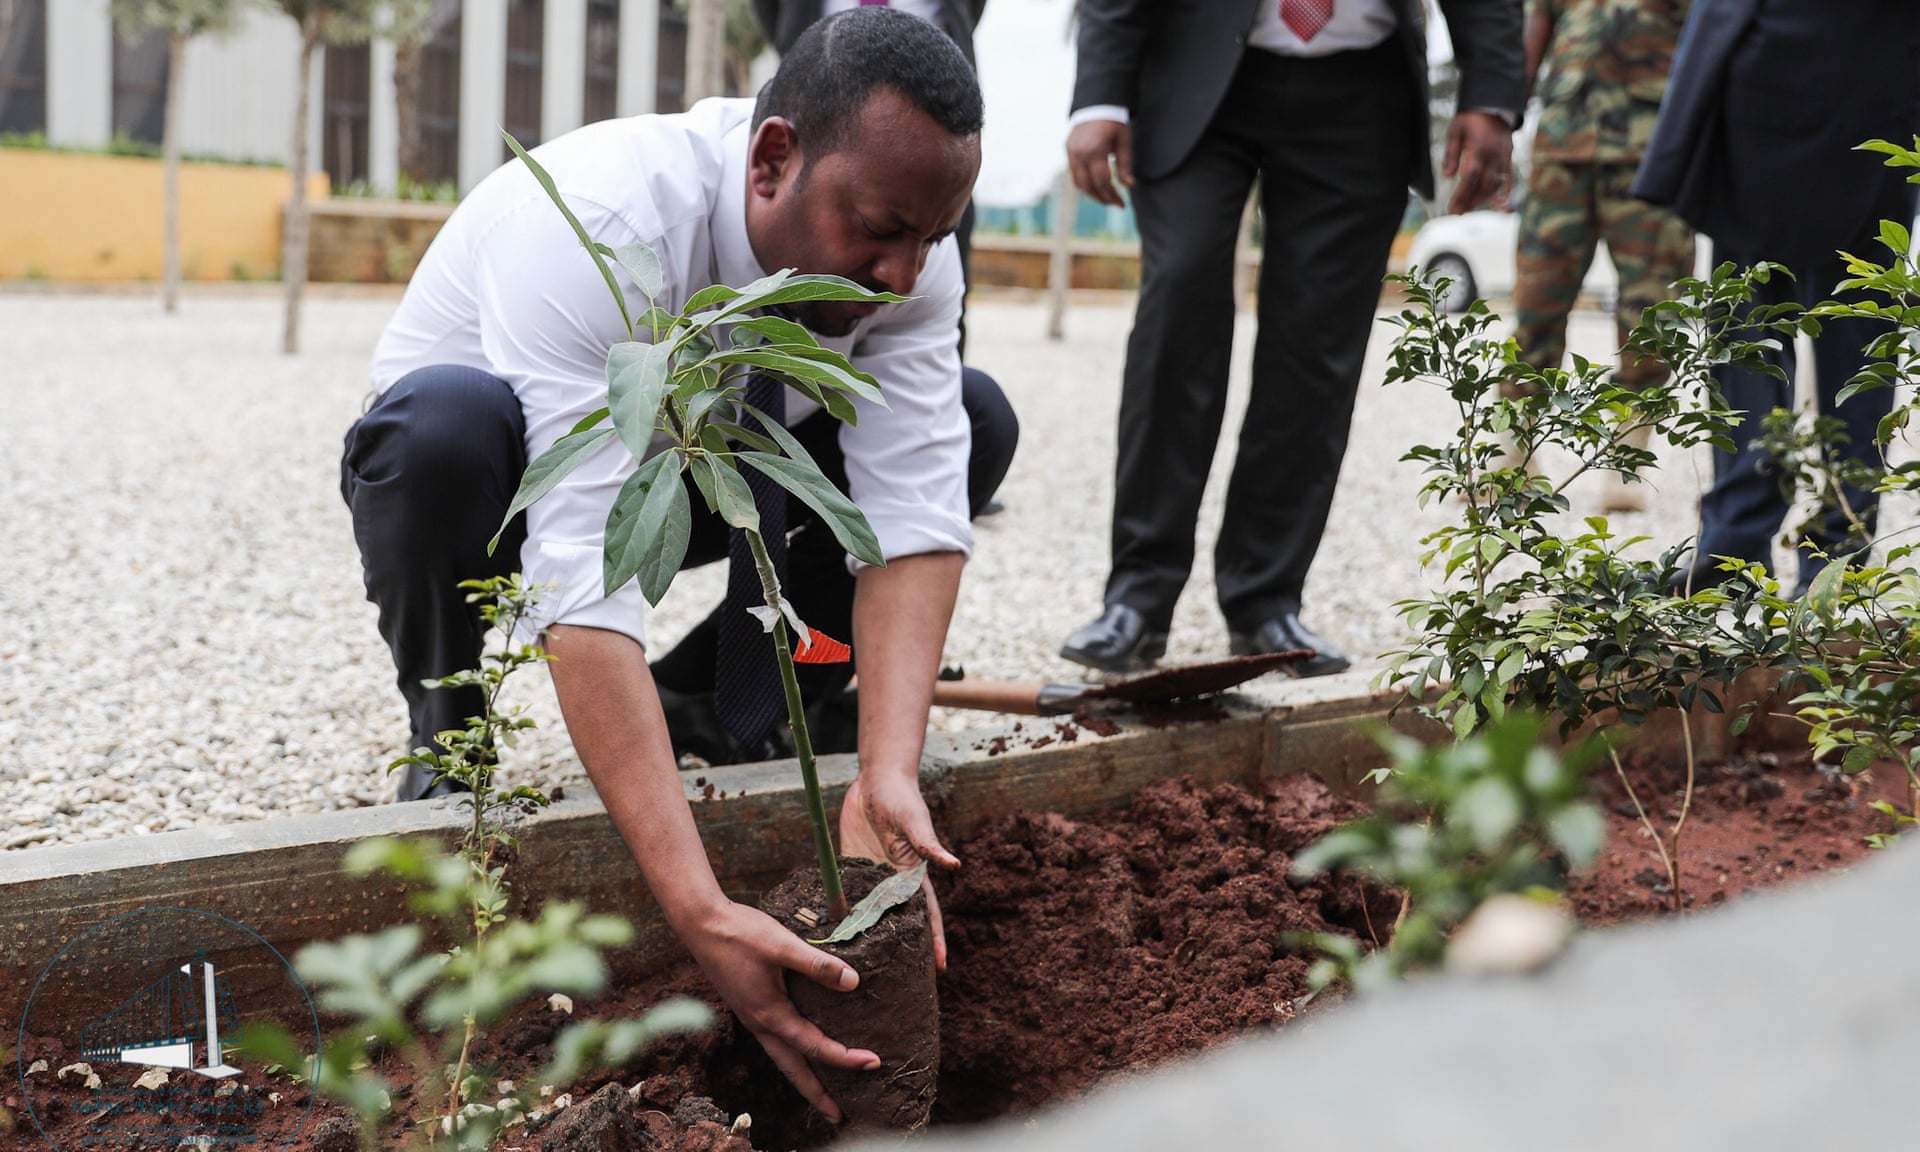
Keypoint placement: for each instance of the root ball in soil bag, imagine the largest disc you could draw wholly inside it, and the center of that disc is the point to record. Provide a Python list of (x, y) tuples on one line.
[(895, 1011)]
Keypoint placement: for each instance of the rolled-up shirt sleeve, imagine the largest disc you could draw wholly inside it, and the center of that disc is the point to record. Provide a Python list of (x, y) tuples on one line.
[(907, 462), (547, 322)]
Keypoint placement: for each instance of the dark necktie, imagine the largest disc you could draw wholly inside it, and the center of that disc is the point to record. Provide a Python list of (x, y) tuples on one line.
[(747, 694)]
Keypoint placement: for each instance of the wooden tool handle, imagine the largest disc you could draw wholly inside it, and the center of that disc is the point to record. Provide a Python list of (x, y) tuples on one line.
[(1017, 696)]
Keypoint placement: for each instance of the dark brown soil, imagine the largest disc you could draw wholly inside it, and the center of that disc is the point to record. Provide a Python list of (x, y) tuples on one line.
[(1081, 951), (895, 1011), (1756, 820)]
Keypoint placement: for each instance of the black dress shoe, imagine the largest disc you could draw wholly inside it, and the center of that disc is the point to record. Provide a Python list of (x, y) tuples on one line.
[(445, 786), (1285, 633), (1119, 641)]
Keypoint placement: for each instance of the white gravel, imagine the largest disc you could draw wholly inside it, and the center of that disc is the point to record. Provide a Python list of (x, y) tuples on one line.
[(183, 634)]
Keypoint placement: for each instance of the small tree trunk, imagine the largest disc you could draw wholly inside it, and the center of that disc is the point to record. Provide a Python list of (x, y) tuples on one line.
[(293, 257), (706, 49), (406, 95), (1060, 256), (170, 150)]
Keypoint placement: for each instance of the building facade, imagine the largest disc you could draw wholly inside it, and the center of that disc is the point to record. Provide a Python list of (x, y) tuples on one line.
[(536, 67)]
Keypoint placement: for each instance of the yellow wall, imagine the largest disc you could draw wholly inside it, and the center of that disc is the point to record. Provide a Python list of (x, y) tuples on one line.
[(67, 216)]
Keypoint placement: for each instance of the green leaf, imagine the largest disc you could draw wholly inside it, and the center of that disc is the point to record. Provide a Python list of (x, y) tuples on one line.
[(552, 466), (736, 499), (800, 289), (848, 523), (895, 890), (1859, 759), (586, 241), (818, 370), (638, 376), (708, 297), (647, 529), (589, 421), (777, 329), (1491, 811), (1579, 831), (641, 264)]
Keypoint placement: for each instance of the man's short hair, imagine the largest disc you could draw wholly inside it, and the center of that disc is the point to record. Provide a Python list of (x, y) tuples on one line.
[(837, 64)]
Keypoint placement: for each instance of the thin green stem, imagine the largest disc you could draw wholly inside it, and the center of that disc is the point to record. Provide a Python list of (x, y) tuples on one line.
[(802, 738)]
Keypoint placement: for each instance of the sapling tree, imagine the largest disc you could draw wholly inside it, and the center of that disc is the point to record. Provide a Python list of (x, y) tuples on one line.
[(1531, 616), (1453, 826), (682, 376), (180, 21), (386, 981)]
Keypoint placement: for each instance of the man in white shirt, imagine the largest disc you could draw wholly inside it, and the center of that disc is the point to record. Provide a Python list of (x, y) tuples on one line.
[(857, 160)]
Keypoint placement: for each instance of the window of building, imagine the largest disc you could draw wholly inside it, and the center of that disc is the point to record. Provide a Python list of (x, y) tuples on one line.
[(23, 66), (345, 97), (603, 60), (438, 106), (140, 70), (526, 35)]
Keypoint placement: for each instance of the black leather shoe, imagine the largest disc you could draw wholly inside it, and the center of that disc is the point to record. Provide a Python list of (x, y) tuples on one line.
[(1119, 641), (1285, 633), (445, 786)]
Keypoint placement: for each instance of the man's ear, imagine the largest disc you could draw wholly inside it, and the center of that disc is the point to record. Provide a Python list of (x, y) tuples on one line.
[(773, 156)]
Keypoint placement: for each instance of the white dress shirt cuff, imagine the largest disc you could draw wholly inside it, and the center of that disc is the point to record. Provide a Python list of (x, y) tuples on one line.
[(1511, 119), (573, 574), (911, 530), (1091, 112)]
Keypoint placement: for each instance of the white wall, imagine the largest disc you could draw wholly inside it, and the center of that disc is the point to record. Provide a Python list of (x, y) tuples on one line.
[(79, 73), (563, 67), (483, 88), (240, 91)]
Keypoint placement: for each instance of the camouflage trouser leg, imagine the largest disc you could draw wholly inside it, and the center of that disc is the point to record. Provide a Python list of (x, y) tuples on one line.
[(1559, 227), (1651, 248), (1569, 208)]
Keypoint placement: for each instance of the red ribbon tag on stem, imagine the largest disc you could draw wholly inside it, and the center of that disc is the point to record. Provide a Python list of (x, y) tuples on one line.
[(824, 650)]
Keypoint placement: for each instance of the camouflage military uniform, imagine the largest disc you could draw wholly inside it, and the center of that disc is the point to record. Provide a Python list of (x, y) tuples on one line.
[(1604, 72)]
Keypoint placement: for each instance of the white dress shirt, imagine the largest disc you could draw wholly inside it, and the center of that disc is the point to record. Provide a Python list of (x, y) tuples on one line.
[(507, 288), (1355, 24)]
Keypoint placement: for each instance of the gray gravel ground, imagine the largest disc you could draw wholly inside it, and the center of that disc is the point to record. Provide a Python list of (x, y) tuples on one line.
[(183, 634)]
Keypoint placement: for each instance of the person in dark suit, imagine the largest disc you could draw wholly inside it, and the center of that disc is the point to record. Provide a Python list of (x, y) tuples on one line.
[(1325, 102), (1755, 147), (784, 20)]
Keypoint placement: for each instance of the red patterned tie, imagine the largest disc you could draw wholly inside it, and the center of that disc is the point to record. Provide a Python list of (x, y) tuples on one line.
[(1306, 17)]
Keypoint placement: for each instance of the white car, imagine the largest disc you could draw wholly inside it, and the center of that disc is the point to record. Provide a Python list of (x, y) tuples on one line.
[(1475, 251)]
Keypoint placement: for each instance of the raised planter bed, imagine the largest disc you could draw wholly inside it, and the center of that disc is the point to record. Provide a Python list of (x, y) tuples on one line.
[(1121, 906)]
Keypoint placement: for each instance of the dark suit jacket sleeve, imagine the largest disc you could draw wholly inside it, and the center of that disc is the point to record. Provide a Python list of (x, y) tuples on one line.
[(979, 9), (1112, 34), (1492, 56)]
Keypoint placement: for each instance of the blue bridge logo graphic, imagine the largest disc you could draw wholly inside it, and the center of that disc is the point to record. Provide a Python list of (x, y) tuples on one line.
[(188, 1011)]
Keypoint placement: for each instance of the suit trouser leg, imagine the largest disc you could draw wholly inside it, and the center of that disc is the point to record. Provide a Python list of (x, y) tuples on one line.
[(1173, 391), (1746, 506), (428, 473), (1334, 176)]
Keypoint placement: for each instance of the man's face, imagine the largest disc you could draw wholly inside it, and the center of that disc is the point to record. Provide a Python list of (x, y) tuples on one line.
[(871, 211)]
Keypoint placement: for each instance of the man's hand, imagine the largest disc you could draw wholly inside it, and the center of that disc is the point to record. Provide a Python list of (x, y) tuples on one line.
[(1089, 147), (744, 952), (612, 710), (1480, 153), (884, 818)]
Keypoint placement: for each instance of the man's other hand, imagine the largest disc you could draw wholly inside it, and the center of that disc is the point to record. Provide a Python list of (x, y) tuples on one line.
[(1480, 153), (744, 952), (1090, 147), (885, 818)]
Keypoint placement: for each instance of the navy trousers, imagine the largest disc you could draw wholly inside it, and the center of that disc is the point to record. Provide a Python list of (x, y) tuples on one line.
[(1742, 513), (428, 474)]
